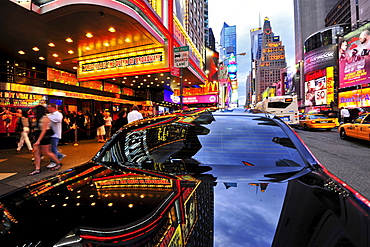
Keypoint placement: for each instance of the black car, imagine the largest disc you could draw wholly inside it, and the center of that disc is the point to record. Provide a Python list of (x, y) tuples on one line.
[(191, 178)]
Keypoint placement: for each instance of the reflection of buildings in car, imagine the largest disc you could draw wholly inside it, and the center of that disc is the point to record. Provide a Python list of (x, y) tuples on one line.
[(261, 186), (135, 208)]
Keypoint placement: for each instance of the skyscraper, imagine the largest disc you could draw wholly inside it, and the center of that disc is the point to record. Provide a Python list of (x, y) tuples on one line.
[(271, 61), (309, 17)]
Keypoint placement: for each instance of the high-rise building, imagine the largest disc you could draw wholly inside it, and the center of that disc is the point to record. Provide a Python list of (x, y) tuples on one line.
[(272, 60), (339, 14), (228, 57), (360, 12), (227, 41), (256, 51), (309, 17)]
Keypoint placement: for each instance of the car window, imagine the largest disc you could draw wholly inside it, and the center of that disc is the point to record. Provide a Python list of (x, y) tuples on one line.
[(359, 119), (317, 117), (367, 120)]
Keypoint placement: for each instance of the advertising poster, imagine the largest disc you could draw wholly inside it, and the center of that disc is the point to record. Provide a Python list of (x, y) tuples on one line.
[(316, 87), (355, 98), (320, 58), (354, 58)]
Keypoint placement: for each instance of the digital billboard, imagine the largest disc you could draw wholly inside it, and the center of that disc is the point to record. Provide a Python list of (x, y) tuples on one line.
[(320, 58), (354, 58)]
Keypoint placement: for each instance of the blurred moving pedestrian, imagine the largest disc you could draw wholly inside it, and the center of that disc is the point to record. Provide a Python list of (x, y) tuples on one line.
[(121, 120), (23, 125), (99, 124), (134, 114), (56, 118), (43, 133), (108, 125)]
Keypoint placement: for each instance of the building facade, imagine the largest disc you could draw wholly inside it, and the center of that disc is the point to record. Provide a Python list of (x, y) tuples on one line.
[(101, 55), (271, 62)]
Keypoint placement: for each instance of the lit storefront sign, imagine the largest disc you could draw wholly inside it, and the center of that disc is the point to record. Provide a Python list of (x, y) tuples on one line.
[(200, 99), (122, 63), (355, 98), (354, 59), (133, 181), (61, 77), (17, 99)]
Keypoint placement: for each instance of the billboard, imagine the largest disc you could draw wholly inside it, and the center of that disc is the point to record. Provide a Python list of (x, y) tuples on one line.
[(354, 58), (319, 87), (355, 98), (320, 58)]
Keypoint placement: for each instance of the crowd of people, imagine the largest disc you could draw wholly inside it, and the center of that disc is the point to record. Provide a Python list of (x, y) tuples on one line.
[(42, 128)]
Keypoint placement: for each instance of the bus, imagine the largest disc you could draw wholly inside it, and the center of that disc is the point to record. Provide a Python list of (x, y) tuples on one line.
[(284, 107)]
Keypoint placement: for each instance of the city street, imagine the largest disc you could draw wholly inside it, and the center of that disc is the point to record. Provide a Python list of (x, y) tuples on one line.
[(346, 159)]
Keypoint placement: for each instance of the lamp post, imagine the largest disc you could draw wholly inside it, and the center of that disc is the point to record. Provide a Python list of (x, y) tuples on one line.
[(222, 89)]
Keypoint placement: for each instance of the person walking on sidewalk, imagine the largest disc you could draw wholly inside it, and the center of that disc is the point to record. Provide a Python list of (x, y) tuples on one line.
[(24, 123), (56, 119), (134, 114), (43, 133)]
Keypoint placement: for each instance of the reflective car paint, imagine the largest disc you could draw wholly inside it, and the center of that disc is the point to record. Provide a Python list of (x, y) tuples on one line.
[(192, 178)]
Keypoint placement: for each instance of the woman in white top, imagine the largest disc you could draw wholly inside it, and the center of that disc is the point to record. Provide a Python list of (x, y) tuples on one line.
[(108, 125)]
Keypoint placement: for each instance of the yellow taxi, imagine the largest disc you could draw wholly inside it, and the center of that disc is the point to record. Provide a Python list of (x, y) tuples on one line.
[(359, 128), (316, 121)]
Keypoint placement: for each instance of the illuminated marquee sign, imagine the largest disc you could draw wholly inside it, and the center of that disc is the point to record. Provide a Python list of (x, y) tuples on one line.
[(61, 77), (17, 99), (122, 62)]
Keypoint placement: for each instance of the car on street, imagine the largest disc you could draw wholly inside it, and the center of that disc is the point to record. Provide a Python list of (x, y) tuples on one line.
[(359, 128), (316, 121), (191, 178)]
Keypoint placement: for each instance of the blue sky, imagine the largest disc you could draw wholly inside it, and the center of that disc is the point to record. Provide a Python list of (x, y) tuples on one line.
[(246, 15)]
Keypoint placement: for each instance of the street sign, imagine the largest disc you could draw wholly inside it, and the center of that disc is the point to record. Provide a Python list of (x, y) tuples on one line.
[(175, 71), (181, 56)]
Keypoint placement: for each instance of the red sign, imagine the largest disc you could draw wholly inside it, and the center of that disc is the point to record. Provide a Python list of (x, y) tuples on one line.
[(175, 71)]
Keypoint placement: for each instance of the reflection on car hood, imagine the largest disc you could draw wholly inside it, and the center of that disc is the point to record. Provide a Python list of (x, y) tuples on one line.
[(191, 178)]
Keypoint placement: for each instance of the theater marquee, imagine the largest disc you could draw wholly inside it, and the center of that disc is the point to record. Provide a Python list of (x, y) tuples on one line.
[(121, 64)]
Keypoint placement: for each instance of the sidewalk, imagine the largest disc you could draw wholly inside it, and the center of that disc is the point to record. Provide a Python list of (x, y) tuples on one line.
[(14, 168)]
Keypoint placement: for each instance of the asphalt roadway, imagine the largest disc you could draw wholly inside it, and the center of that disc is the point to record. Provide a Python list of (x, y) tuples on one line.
[(14, 168)]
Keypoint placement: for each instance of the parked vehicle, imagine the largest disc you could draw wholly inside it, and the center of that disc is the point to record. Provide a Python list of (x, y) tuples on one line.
[(191, 178), (359, 128), (316, 121)]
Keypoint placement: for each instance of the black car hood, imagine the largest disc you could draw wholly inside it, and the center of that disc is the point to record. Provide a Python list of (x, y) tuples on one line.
[(191, 178)]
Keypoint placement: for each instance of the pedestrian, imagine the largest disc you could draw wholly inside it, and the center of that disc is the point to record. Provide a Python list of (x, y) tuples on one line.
[(121, 120), (99, 124), (56, 119), (23, 127), (108, 125), (80, 123), (43, 133), (344, 114), (134, 114)]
